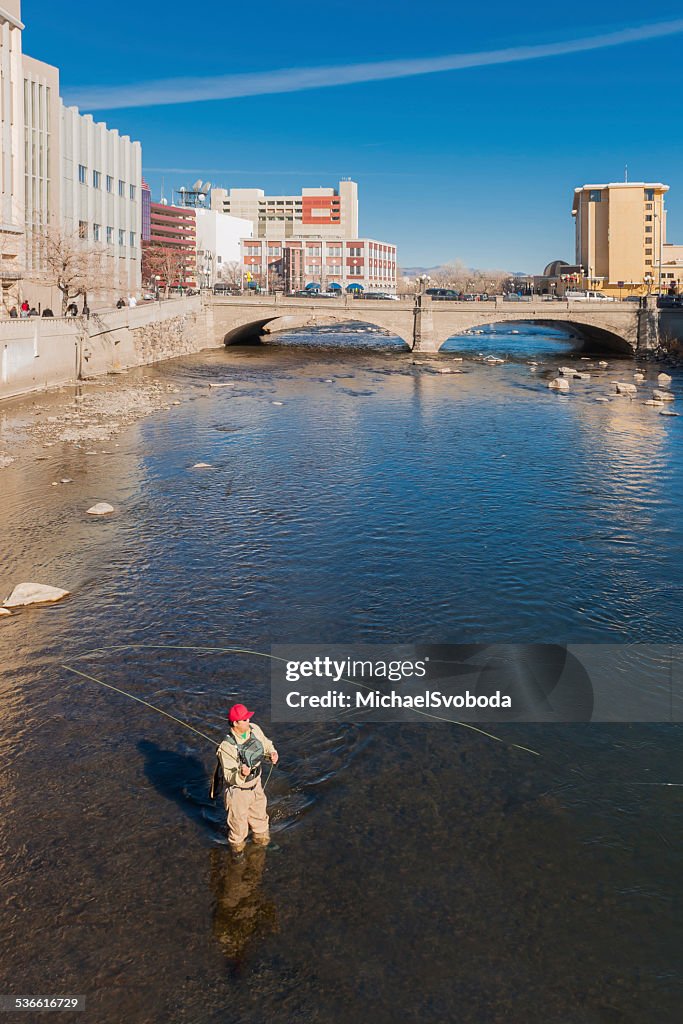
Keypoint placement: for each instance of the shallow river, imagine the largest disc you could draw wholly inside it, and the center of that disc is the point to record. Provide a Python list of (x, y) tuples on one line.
[(418, 872)]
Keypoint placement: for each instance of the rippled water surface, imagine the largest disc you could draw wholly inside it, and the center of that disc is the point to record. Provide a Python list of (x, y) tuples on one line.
[(418, 872)]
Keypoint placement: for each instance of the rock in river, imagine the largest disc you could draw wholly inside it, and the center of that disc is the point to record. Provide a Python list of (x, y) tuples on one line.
[(102, 508), (33, 593), (559, 384)]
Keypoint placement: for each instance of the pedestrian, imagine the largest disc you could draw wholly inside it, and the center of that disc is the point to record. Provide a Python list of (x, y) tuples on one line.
[(13, 312), (132, 301), (120, 304), (240, 756)]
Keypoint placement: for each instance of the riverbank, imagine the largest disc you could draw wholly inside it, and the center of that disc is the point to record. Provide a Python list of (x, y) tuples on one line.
[(81, 418)]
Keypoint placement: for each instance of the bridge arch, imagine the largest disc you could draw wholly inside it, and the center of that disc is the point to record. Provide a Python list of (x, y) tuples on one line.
[(252, 331), (596, 337)]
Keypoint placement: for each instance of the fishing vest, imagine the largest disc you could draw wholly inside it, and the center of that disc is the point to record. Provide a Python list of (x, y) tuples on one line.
[(251, 753)]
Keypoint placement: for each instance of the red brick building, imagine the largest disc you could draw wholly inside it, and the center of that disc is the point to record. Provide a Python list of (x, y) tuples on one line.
[(169, 256)]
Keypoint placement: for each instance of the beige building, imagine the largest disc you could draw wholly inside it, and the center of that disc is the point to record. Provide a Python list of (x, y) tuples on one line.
[(100, 200), (621, 235), (12, 158), (41, 107), (61, 171), (315, 213)]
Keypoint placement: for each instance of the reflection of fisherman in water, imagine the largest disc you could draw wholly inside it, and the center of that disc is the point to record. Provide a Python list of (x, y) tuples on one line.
[(242, 913)]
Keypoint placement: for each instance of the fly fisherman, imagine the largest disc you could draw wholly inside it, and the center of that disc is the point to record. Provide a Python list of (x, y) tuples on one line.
[(241, 755)]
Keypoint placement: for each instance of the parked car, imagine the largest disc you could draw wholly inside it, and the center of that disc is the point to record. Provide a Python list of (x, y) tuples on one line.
[(380, 295), (443, 293), (577, 295)]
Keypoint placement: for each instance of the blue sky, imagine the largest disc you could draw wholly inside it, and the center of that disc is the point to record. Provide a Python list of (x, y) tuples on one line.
[(476, 164)]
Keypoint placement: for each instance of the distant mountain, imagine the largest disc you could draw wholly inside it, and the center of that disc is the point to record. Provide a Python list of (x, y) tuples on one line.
[(416, 271)]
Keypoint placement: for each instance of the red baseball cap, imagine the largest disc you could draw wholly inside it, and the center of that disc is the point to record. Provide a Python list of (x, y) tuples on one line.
[(238, 713)]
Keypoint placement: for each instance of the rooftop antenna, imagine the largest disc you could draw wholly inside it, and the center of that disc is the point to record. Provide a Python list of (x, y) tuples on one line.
[(162, 190), (626, 174)]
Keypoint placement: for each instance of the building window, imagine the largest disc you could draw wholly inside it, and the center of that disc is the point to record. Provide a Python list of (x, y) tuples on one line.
[(132, 192), (314, 250), (82, 229), (131, 240), (355, 250), (648, 216), (274, 250), (82, 174), (110, 183), (649, 195), (122, 188), (648, 252), (96, 179), (122, 237), (648, 263), (110, 236), (97, 232), (595, 195)]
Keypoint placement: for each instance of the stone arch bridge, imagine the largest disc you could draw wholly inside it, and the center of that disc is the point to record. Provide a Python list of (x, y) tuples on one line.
[(425, 324)]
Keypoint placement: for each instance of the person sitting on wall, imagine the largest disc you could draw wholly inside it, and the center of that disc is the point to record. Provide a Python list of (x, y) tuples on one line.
[(47, 311), (72, 309), (120, 304), (13, 312), (33, 311)]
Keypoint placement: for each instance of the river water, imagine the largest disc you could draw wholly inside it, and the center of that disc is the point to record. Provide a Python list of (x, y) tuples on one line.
[(418, 871)]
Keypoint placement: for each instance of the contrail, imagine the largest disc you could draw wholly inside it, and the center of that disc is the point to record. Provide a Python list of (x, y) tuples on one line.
[(260, 83)]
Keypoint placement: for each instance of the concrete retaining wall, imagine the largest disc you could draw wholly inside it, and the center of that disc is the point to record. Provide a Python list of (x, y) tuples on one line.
[(41, 353)]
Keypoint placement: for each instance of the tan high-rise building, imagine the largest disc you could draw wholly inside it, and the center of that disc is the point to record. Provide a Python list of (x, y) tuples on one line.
[(316, 212), (620, 233)]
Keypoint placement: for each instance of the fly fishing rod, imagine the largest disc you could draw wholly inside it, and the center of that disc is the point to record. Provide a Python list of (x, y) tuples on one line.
[(215, 743)]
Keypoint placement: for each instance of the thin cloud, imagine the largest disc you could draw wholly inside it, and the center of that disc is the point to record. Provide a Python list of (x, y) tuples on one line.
[(261, 83)]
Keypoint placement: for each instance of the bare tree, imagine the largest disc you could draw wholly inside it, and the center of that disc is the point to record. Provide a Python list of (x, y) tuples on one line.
[(68, 262), (163, 264), (231, 273)]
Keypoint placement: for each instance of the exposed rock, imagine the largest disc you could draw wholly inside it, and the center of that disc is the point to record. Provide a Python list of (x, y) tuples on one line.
[(222, 384), (5, 611), (638, 377), (668, 412), (662, 396), (651, 401), (566, 371), (66, 480), (278, 403), (444, 369), (102, 508), (33, 593), (603, 365), (625, 389), (663, 379), (600, 398), (202, 465), (5, 460), (581, 376), (559, 384)]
